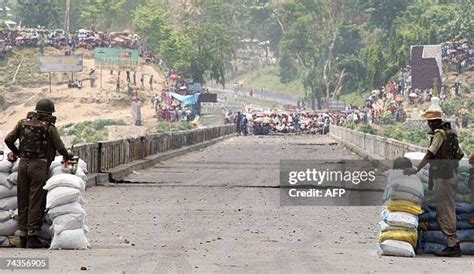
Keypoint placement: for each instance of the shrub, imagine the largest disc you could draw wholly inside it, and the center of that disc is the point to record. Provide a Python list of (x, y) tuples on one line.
[(89, 131), (367, 129)]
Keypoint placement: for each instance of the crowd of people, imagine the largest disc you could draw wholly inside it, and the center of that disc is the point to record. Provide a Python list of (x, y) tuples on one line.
[(264, 123), (459, 54)]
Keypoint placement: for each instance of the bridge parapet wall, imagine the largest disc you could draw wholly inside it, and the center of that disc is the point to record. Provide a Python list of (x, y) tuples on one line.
[(104, 156), (372, 146)]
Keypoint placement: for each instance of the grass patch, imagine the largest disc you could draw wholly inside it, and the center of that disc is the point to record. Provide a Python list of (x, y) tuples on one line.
[(269, 78), (356, 99), (89, 131), (166, 127)]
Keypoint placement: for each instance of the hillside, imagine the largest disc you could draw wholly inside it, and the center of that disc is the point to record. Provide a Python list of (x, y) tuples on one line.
[(72, 105), (269, 78)]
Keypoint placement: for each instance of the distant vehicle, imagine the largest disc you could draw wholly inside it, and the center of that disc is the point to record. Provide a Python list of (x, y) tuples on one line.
[(10, 25), (58, 32)]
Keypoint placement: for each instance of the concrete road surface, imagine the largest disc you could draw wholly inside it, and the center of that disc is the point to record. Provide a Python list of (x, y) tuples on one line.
[(218, 211)]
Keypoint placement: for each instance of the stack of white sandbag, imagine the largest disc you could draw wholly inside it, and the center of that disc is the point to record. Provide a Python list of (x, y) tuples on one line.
[(8, 201), (399, 224), (64, 203)]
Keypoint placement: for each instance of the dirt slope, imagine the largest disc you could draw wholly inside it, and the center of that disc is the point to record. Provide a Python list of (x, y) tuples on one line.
[(74, 105)]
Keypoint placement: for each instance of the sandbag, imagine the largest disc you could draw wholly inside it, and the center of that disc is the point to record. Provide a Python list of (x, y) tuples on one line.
[(428, 216), (415, 157), (4, 181), (410, 237), (463, 198), (4, 241), (386, 227), (61, 195), (398, 181), (400, 219), (426, 191), (68, 170), (67, 222), (396, 248), (437, 237), (57, 162), (9, 203), (6, 192), (6, 215), (463, 187), (460, 207), (12, 179), (5, 166), (70, 239), (15, 166), (65, 180), (467, 248), (8, 227), (465, 216), (70, 208), (404, 206), (400, 195), (424, 175), (433, 225)]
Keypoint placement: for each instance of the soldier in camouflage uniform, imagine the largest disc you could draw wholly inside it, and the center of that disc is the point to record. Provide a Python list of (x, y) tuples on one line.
[(39, 140)]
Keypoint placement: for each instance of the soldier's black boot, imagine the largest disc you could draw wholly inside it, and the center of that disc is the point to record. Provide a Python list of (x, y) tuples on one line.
[(23, 240), (34, 242), (454, 251)]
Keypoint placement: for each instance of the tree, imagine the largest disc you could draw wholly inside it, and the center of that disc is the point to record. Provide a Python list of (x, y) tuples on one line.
[(310, 32), (34, 13), (104, 13), (153, 22)]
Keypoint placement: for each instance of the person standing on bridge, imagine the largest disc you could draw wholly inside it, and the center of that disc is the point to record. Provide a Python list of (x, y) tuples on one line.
[(443, 155), (39, 140), (238, 122)]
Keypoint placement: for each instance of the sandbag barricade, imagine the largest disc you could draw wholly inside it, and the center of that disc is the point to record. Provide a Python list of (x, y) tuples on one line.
[(65, 205), (8, 203), (399, 225)]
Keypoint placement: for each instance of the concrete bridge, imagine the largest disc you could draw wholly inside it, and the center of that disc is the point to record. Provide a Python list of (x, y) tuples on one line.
[(215, 209)]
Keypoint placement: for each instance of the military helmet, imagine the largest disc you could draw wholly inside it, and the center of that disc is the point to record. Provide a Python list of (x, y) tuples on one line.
[(45, 106)]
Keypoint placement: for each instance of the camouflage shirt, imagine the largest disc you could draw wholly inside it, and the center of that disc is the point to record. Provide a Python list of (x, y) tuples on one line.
[(39, 138)]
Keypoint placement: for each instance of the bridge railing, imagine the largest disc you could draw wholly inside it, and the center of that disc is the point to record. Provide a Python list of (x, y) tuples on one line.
[(372, 146), (104, 156)]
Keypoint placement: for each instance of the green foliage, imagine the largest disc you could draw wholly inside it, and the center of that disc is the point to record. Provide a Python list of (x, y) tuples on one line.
[(355, 99), (466, 139), (165, 127), (366, 128), (450, 107), (39, 12), (89, 131), (268, 77), (108, 14), (350, 124), (419, 136), (400, 132), (153, 22)]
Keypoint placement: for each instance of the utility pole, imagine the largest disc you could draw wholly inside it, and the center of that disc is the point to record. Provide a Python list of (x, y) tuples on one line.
[(66, 16)]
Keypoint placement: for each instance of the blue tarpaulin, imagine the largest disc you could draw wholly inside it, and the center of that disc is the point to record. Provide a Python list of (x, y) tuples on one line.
[(186, 99)]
